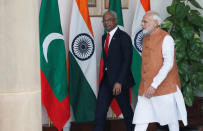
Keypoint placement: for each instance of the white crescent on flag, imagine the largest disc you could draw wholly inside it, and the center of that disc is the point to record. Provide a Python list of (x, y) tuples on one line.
[(48, 40)]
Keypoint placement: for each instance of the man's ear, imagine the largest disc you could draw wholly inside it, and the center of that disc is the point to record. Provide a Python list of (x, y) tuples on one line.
[(156, 23), (116, 20)]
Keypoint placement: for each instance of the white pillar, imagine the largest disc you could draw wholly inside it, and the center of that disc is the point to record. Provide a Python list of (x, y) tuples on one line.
[(20, 92)]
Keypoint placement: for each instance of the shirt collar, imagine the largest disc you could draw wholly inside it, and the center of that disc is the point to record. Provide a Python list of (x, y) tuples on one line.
[(113, 31)]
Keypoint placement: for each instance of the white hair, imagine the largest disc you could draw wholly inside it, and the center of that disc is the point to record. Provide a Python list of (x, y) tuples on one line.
[(155, 16), (112, 12)]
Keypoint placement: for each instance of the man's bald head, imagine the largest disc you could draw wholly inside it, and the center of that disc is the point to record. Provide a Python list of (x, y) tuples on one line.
[(110, 20)]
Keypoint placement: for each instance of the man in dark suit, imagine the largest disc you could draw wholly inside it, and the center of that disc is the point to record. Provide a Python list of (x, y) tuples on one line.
[(117, 79)]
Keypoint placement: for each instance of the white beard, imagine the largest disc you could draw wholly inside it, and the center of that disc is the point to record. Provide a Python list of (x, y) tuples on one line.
[(148, 30)]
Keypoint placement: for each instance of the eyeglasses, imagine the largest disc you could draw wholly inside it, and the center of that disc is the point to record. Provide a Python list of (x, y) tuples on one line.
[(108, 20)]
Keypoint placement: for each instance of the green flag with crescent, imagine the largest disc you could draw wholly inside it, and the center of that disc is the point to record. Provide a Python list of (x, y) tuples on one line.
[(53, 64)]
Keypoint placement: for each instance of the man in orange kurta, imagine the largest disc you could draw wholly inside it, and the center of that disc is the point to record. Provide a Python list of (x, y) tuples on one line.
[(160, 99)]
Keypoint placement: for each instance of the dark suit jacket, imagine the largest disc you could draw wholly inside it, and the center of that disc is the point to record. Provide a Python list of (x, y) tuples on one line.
[(117, 66)]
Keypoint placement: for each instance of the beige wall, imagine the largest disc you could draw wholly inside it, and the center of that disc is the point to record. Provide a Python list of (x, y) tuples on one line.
[(20, 97), (201, 11)]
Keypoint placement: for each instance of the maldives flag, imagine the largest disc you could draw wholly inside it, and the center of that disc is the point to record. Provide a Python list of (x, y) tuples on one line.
[(82, 64), (53, 64), (141, 7)]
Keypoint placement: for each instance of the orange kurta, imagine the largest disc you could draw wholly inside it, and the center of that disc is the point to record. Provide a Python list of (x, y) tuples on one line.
[(152, 61)]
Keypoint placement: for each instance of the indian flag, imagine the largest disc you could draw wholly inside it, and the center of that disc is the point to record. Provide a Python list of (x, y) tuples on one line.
[(141, 7), (82, 64), (53, 64)]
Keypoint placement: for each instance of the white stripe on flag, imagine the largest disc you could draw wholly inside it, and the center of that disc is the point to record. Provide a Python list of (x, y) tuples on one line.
[(88, 66)]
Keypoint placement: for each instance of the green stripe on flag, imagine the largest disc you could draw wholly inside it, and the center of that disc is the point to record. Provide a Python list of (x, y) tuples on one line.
[(136, 70), (115, 5), (82, 97)]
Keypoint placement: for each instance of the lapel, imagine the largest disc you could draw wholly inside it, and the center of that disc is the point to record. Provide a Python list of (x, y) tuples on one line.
[(114, 39)]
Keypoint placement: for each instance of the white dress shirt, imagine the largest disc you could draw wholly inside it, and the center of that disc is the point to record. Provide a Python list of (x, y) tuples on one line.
[(111, 34)]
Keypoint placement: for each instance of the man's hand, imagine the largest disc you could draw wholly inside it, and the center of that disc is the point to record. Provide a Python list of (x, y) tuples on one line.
[(117, 88), (149, 92)]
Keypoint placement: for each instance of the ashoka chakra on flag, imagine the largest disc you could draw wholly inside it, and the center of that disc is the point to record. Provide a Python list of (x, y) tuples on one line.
[(83, 46), (138, 40)]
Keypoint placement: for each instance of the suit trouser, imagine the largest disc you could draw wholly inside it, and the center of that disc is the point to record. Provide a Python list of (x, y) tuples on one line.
[(104, 99)]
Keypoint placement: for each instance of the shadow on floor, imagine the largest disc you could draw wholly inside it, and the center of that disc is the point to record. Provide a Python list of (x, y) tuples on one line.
[(165, 128)]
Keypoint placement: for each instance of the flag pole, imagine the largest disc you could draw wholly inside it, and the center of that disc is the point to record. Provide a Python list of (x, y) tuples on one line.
[(49, 122)]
